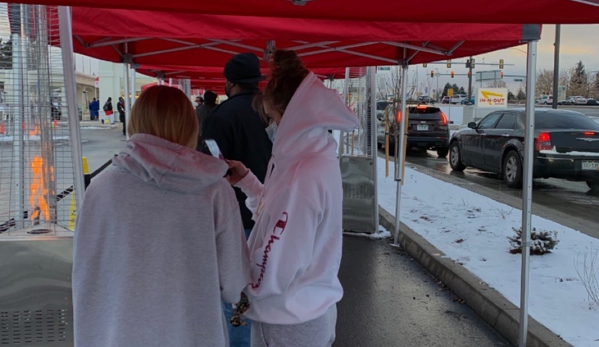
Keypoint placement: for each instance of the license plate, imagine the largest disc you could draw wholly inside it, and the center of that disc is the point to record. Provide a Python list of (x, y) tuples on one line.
[(590, 165), (422, 127)]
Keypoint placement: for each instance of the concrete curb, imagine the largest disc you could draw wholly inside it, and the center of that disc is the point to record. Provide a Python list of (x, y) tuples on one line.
[(488, 303)]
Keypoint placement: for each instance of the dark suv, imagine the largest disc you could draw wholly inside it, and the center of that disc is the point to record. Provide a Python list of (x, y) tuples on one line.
[(427, 129)]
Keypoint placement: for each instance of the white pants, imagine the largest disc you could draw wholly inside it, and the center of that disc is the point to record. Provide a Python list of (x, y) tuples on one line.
[(319, 332)]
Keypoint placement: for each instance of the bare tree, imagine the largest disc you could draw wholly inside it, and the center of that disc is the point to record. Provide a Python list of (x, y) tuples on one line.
[(497, 84), (544, 83)]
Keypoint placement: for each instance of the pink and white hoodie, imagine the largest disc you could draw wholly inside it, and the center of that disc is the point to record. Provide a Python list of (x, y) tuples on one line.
[(295, 246)]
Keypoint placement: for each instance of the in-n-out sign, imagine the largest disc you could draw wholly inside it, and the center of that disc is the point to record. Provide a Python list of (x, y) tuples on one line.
[(492, 97)]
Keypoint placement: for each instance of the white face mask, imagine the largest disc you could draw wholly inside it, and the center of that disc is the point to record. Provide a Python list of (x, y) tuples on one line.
[(271, 130)]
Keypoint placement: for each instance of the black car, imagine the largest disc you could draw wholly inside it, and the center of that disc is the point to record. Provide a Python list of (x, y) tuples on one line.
[(427, 129), (566, 146)]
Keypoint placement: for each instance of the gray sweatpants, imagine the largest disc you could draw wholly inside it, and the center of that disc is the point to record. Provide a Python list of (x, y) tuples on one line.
[(319, 332)]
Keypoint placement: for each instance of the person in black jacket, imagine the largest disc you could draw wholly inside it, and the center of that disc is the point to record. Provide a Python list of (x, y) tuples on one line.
[(120, 106), (240, 134)]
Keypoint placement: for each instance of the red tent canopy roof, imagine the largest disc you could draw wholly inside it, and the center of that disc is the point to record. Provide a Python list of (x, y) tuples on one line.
[(438, 11), (215, 73), (155, 38)]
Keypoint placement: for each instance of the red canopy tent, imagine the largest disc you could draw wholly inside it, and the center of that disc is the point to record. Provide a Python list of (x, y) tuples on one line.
[(464, 11), (210, 73), (155, 38)]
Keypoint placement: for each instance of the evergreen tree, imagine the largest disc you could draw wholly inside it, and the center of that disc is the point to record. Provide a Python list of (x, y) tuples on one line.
[(447, 87), (579, 82)]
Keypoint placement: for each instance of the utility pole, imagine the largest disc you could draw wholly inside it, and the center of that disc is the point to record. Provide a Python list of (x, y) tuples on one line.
[(470, 81), (558, 29)]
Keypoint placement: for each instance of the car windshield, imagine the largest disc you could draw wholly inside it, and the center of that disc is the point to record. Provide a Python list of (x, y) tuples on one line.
[(425, 113), (564, 120)]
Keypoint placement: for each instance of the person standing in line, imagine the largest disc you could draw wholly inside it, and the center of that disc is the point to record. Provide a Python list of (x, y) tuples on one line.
[(120, 106), (156, 272), (239, 132), (296, 244), (108, 110), (198, 103), (94, 109), (206, 109)]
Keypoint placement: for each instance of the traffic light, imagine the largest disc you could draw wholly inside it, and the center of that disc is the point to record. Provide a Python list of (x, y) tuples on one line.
[(501, 64), (501, 74), (432, 73), (449, 63), (452, 74), (424, 65), (472, 63)]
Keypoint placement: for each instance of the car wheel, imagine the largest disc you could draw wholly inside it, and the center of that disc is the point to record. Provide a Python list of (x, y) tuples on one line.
[(442, 152), (455, 157), (594, 185), (512, 170)]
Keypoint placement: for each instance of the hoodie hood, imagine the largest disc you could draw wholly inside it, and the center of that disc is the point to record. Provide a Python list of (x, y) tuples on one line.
[(313, 110), (169, 165)]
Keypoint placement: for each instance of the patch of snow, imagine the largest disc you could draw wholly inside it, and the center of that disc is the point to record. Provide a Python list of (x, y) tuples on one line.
[(382, 233), (574, 153), (472, 230)]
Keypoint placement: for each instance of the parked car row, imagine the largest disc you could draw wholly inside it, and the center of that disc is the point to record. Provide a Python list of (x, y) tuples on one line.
[(566, 146), (572, 100)]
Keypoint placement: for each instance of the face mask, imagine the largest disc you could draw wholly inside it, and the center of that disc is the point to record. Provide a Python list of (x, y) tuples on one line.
[(271, 130)]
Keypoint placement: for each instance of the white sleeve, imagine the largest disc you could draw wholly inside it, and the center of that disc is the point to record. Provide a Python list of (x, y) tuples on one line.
[(286, 250), (252, 187)]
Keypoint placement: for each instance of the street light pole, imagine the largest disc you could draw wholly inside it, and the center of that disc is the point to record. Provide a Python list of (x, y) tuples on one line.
[(558, 29)]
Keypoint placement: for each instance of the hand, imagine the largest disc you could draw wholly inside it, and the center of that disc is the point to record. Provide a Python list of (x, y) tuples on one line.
[(238, 171)]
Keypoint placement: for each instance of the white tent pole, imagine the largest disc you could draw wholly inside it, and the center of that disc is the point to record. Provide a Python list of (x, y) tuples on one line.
[(66, 45), (527, 189), (399, 151), (133, 86), (345, 96), (126, 83), (373, 140)]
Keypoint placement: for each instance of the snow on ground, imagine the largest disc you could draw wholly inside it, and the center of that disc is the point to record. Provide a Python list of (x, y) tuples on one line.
[(472, 230)]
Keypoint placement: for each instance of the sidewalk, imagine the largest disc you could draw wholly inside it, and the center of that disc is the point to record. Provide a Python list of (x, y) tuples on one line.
[(390, 300)]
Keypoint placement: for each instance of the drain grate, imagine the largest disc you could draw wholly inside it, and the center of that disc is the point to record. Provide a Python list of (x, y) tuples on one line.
[(34, 327)]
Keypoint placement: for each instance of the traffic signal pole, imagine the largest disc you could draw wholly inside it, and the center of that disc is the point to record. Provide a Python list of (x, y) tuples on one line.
[(470, 82)]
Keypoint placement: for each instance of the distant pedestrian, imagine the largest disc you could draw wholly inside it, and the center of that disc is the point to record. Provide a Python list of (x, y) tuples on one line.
[(108, 110), (94, 109), (120, 106)]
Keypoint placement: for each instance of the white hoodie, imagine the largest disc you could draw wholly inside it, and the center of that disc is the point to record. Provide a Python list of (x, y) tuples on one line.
[(296, 244)]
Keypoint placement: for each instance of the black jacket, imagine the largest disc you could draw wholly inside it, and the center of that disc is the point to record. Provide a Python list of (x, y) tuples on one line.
[(240, 134)]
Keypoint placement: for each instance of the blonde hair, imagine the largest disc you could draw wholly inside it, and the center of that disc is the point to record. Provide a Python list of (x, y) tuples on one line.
[(167, 113)]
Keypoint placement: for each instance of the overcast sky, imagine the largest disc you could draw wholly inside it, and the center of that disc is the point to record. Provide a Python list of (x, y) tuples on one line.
[(578, 43)]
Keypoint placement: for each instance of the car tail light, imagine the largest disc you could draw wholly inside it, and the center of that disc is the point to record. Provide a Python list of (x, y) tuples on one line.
[(543, 142), (421, 107), (443, 119), (589, 133)]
